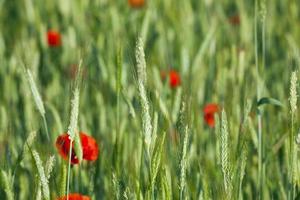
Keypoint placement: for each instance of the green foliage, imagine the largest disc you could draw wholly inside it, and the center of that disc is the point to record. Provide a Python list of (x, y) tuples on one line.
[(151, 147), (267, 100), (6, 182)]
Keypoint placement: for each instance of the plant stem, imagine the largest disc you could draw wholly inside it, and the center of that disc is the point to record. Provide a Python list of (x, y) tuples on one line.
[(291, 170), (259, 116), (69, 169), (63, 183), (46, 127)]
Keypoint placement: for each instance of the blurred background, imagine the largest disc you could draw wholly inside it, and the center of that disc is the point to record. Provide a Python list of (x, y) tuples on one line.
[(209, 44)]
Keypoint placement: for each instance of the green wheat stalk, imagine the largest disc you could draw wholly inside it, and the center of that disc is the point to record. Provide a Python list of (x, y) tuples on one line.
[(142, 80), (225, 161), (293, 153), (48, 169), (72, 129), (155, 163), (242, 171), (63, 179), (37, 99), (183, 164), (41, 173), (7, 183), (259, 114), (116, 186)]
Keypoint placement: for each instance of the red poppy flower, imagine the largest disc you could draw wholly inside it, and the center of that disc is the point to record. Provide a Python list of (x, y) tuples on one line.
[(74, 196), (89, 147), (174, 79), (54, 38), (235, 20), (209, 111), (136, 3)]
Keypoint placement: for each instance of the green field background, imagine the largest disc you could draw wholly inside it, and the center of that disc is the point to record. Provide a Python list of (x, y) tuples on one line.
[(233, 65)]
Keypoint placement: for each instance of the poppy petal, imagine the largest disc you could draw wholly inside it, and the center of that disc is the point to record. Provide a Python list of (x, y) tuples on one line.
[(209, 111), (54, 38), (174, 79), (74, 196), (63, 146), (136, 3), (89, 147)]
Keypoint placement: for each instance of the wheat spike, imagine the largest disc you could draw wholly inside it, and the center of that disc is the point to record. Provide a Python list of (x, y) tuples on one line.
[(183, 163), (36, 95), (293, 92), (49, 166), (41, 173), (225, 155), (141, 62), (29, 141), (6, 181), (74, 114), (142, 79)]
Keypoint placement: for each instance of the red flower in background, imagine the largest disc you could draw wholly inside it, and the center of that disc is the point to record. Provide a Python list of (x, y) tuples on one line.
[(136, 3), (235, 20), (89, 145), (54, 38), (63, 147), (174, 79), (209, 112), (74, 196)]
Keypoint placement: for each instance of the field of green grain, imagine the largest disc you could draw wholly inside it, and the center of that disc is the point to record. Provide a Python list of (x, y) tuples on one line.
[(193, 99)]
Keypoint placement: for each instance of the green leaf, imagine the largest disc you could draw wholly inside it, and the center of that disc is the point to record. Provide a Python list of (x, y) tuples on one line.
[(267, 100)]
